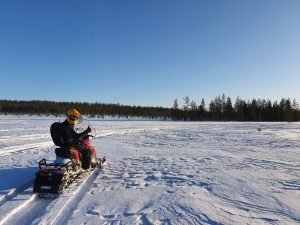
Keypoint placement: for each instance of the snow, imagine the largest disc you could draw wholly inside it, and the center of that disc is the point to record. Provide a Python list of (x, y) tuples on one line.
[(158, 172)]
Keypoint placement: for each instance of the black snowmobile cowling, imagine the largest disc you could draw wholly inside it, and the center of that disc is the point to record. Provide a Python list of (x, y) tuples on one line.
[(52, 178)]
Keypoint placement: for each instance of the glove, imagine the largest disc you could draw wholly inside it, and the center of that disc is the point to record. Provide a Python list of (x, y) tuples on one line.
[(88, 130)]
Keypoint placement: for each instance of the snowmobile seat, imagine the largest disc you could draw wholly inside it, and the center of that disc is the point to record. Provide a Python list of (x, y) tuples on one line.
[(61, 160), (67, 152)]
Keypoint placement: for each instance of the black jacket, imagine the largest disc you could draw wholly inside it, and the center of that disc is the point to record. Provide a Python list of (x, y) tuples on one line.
[(70, 137)]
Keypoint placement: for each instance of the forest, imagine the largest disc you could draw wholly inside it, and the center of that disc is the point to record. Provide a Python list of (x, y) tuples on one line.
[(221, 108)]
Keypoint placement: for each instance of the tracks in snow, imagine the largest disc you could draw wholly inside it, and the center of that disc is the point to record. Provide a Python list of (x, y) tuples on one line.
[(13, 193), (13, 149), (62, 216), (126, 131), (24, 208), (20, 206), (11, 207)]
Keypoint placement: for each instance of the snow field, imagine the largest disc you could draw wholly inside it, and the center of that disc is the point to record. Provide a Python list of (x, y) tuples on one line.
[(161, 173)]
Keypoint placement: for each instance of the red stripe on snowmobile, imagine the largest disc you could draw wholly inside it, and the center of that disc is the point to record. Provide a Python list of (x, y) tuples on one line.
[(88, 143), (75, 153)]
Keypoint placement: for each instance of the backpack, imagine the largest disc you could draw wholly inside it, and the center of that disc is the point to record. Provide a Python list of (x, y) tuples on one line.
[(56, 131)]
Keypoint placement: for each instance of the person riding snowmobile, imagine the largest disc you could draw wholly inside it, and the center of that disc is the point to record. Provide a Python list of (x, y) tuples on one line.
[(75, 140)]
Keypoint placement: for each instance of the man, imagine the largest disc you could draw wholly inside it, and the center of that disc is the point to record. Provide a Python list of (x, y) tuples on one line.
[(75, 140)]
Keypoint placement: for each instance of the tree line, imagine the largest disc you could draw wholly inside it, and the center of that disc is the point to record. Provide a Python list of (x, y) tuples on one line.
[(38, 107), (221, 108)]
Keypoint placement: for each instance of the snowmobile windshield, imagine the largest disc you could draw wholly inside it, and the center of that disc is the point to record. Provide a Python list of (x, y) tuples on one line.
[(83, 124)]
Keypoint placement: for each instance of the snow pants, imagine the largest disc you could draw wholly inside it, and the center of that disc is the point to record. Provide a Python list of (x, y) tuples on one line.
[(86, 155)]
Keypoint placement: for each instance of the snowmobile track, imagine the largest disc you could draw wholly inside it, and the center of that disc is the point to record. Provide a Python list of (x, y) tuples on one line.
[(62, 209), (15, 149), (44, 211), (16, 205), (65, 214), (12, 194)]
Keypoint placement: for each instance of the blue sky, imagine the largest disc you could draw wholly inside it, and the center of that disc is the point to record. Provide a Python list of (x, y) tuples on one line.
[(142, 52)]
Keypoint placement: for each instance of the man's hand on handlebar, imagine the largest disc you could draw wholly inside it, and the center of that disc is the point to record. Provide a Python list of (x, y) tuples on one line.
[(88, 130)]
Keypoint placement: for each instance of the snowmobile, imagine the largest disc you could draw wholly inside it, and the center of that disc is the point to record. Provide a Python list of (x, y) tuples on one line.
[(53, 177)]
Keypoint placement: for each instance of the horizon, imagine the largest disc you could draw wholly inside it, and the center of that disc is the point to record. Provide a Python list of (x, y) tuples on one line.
[(180, 103)]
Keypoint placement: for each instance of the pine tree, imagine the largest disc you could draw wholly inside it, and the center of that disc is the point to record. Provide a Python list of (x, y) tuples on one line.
[(193, 105), (202, 105), (186, 103), (202, 110), (175, 104), (228, 109)]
